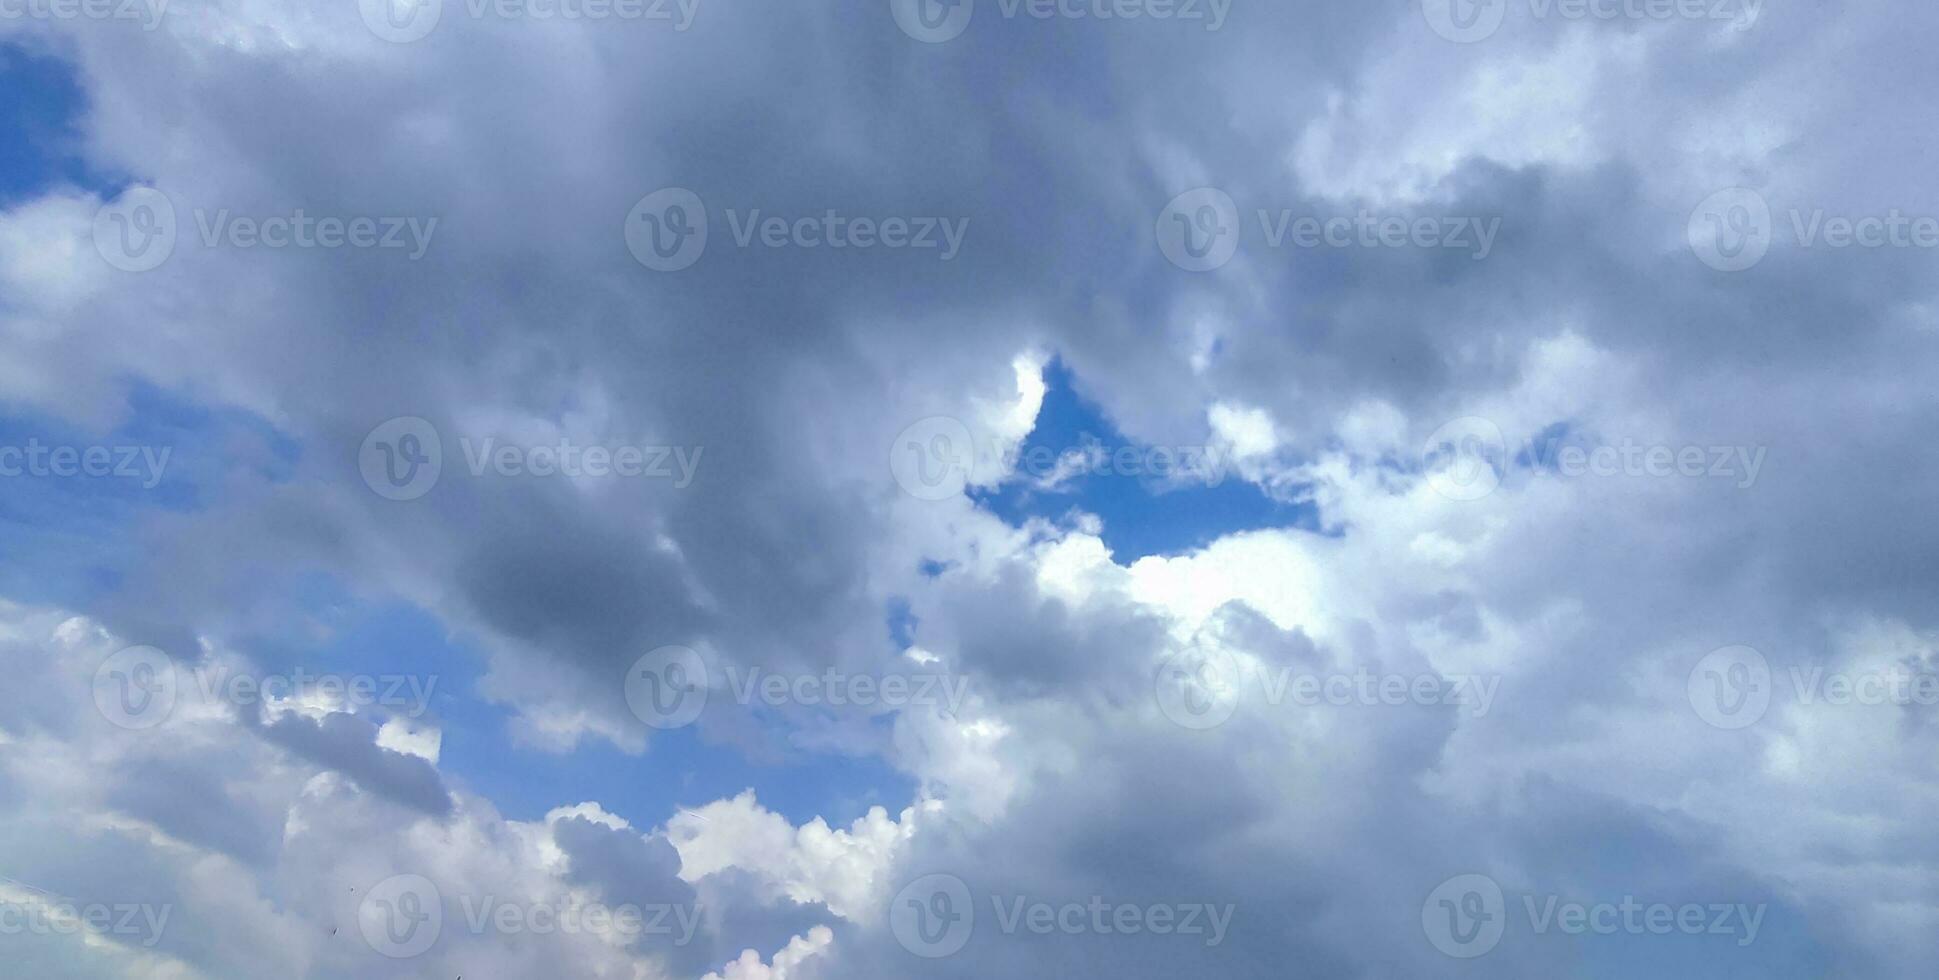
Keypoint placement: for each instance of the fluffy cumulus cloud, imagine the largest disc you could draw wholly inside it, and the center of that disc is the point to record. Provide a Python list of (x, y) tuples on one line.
[(1565, 608)]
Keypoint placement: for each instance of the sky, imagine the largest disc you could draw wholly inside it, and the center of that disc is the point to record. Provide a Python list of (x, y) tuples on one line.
[(725, 491)]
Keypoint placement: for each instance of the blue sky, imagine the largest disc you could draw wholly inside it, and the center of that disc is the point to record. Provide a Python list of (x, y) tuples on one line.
[(1142, 516)]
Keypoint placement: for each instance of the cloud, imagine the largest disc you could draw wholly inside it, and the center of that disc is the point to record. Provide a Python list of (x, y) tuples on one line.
[(1589, 596)]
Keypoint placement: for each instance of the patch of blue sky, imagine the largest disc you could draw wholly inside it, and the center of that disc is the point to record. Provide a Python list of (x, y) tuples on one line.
[(680, 768), (41, 104), (72, 499), (1141, 514)]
